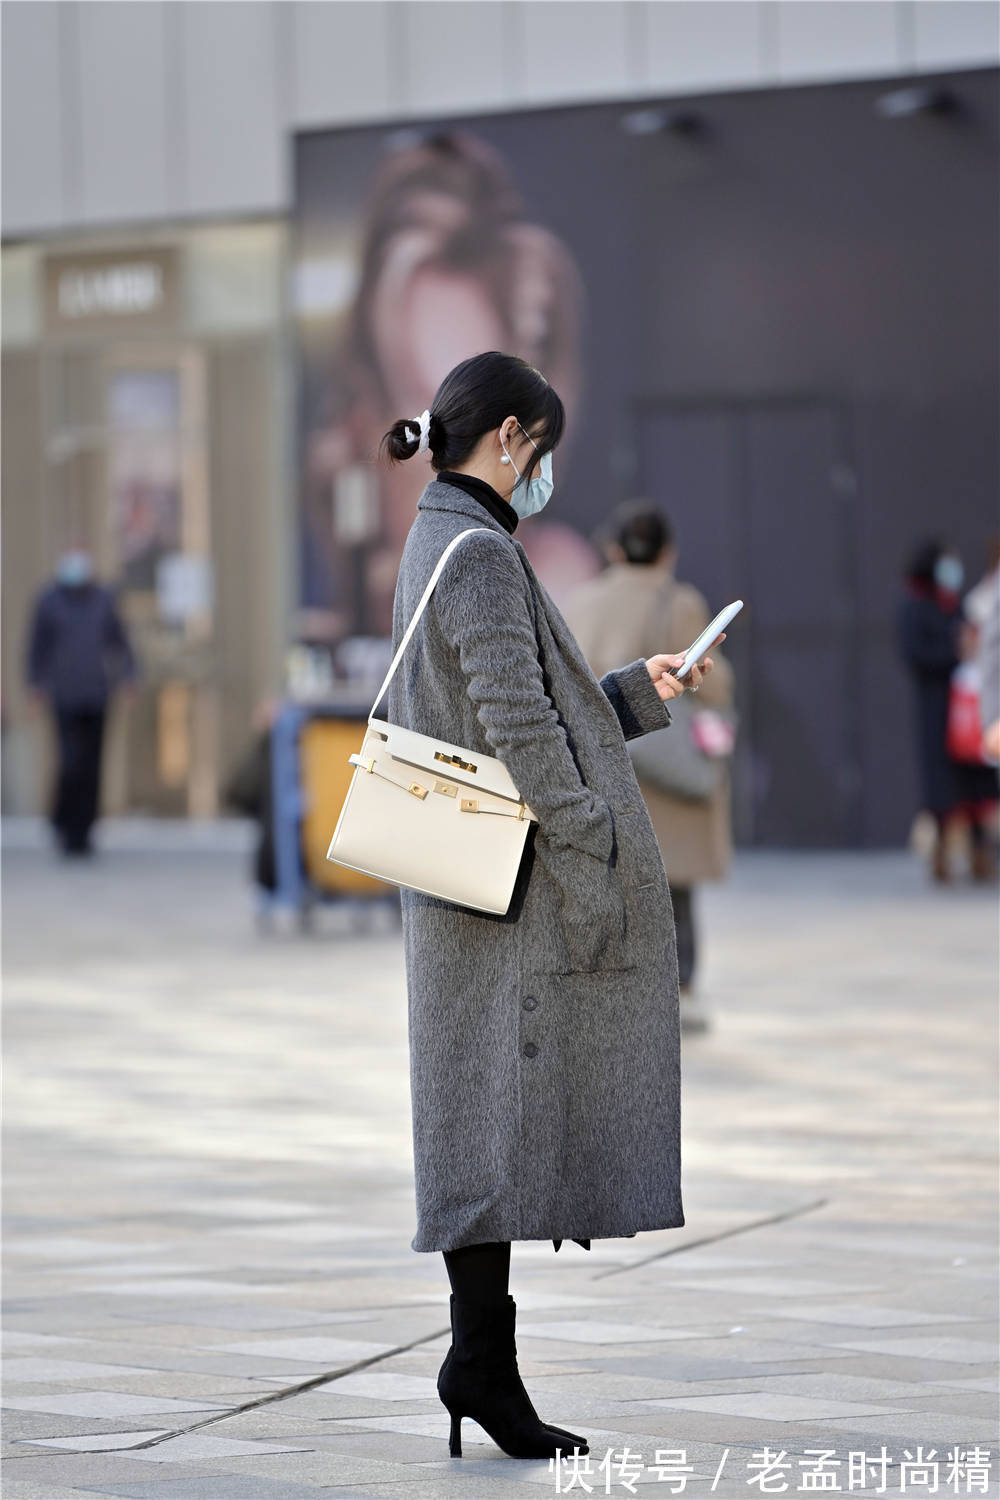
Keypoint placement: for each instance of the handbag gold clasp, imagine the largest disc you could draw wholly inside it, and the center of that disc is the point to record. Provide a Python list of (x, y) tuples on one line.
[(468, 804), (454, 760), (417, 790)]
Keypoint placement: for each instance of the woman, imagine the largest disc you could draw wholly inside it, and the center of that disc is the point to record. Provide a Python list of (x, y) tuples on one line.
[(544, 1049), (635, 601), (931, 628)]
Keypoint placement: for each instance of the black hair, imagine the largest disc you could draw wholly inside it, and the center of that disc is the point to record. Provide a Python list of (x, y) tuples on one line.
[(923, 559), (641, 530), (471, 400)]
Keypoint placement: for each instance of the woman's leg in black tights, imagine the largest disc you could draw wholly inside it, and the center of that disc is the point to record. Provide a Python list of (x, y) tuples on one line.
[(480, 1273)]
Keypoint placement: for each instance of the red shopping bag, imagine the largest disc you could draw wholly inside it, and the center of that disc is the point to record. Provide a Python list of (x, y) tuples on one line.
[(964, 736)]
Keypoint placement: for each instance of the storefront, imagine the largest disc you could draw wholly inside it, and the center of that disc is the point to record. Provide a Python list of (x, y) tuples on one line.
[(143, 420)]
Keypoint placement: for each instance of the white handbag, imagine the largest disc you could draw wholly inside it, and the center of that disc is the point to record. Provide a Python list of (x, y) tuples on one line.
[(426, 814)]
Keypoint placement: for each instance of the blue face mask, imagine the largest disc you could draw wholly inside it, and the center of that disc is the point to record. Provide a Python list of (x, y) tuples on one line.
[(529, 499), (949, 573), (74, 569)]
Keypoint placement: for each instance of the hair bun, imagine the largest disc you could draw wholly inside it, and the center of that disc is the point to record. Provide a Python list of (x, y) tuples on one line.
[(412, 435), (401, 441)]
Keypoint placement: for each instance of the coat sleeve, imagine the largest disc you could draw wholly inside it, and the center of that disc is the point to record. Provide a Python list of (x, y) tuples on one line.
[(632, 694), (483, 606), (927, 638), (39, 647)]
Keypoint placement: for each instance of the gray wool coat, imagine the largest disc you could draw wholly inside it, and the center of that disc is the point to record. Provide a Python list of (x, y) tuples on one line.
[(544, 1043)]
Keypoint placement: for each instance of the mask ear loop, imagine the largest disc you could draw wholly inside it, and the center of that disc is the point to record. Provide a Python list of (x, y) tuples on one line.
[(506, 456)]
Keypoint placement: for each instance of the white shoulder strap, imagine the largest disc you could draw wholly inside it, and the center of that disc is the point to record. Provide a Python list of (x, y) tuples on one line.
[(428, 591)]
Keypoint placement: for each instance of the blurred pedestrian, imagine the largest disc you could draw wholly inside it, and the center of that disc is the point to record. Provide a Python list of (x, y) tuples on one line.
[(636, 601), (78, 653), (250, 792), (544, 1047), (957, 787), (979, 601), (989, 668)]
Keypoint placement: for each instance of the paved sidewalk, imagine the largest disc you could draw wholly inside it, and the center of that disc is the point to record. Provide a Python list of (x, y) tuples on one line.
[(210, 1289)]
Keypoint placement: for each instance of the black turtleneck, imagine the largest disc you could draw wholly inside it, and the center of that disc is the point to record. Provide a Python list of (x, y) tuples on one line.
[(485, 494)]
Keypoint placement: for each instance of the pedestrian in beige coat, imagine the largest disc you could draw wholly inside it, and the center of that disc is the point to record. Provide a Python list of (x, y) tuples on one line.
[(615, 617)]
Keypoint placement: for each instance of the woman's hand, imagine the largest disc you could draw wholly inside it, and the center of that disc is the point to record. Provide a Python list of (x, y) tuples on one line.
[(666, 684)]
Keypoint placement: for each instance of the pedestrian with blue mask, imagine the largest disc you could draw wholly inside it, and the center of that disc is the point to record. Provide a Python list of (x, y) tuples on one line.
[(78, 654), (544, 1042)]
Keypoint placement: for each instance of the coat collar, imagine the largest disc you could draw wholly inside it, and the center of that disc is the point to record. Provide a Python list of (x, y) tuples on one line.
[(440, 496)]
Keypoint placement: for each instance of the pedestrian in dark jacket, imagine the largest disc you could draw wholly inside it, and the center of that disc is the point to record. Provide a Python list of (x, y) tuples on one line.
[(931, 628), (544, 1043), (78, 653)]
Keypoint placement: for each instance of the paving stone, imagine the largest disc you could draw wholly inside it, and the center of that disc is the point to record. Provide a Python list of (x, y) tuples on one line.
[(692, 1371), (941, 1428), (28, 1371), (586, 1332), (230, 1318), (194, 1445), (109, 1404), (384, 1386), (186, 1286), (224, 1487), (100, 1442), (950, 1350), (774, 1406), (320, 1351), (11, 1339), (860, 1317), (23, 1489), (767, 1286)]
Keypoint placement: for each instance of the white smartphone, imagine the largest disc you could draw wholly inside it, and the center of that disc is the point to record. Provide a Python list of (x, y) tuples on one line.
[(697, 649)]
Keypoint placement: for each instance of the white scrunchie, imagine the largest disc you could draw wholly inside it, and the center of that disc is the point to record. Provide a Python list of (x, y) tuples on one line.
[(423, 422)]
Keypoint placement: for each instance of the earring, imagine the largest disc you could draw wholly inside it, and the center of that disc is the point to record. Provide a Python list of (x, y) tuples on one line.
[(505, 459)]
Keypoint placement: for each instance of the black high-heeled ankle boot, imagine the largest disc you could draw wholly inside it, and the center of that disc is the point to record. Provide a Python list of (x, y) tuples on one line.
[(480, 1379), (574, 1437)]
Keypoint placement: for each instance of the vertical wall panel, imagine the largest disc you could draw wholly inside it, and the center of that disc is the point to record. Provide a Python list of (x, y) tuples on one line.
[(956, 33), (122, 86), (836, 39), (342, 62), (702, 46), (32, 118), (455, 55), (234, 147), (570, 49)]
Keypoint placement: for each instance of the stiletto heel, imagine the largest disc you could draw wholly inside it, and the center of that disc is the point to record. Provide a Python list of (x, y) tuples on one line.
[(480, 1379)]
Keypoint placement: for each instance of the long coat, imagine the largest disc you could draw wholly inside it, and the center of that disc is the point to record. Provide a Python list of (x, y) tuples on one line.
[(928, 641), (544, 1043), (630, 609)]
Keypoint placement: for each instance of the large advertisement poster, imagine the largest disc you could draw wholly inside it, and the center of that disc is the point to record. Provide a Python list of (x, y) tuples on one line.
[(753, 321), (415, 250)]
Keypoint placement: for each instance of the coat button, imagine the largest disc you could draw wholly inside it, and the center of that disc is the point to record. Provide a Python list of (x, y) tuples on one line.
[(529, 1002), (530, 1050)]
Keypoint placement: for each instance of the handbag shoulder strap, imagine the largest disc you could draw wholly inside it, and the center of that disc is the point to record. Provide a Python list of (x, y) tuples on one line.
[(428, 591)]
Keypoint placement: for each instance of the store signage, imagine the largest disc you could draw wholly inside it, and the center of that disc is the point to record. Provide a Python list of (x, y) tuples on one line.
[(100, 291)]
